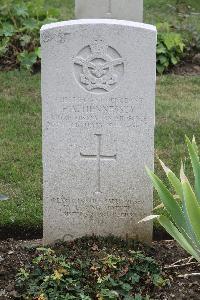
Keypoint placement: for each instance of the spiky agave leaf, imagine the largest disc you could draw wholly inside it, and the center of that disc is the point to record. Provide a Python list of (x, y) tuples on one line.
[(149, 218), (178, 236), (192, 206), (169, 202), (193, 152), (187, 220), (185, 224), (173, 179), (175, 233)]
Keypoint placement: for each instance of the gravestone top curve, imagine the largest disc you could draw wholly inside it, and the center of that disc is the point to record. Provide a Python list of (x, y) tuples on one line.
[(98, 21)]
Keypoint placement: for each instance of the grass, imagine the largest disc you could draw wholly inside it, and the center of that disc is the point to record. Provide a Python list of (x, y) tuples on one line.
[(20, 124), (177, 113), (165, 11), (20, 144), (66, 7)]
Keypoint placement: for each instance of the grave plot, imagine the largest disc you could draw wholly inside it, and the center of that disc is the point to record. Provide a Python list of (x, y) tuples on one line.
[(98, 119)]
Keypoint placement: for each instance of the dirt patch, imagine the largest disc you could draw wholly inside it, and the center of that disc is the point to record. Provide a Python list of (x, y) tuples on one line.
[(190, 66), (30, 233), (186, 69), (20, 232), (188, 288), (15, 254)]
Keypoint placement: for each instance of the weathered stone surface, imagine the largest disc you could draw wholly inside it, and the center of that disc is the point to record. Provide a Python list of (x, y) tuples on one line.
[(98, 89), (115, 9)]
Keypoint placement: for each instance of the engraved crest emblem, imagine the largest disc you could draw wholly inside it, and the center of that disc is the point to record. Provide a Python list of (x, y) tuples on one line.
[(98, 67)]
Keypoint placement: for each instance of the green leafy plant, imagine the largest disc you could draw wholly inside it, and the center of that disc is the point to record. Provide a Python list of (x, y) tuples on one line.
[(183, 208), (93, 273), (187, 25), (190, 33), (20, 22), (170, 47)]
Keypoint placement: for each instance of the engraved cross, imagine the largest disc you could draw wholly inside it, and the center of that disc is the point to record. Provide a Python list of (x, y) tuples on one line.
[(109, 12), (98, 158)]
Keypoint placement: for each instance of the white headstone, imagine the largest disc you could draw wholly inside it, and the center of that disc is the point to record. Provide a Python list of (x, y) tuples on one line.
[(110, 9), (98, 90)]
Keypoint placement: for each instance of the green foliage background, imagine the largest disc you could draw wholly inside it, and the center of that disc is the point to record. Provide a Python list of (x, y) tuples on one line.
[(21, 20), (20, 23)]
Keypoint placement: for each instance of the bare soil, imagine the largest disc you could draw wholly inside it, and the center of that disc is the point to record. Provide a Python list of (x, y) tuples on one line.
[(189, 66), (14, 255)]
